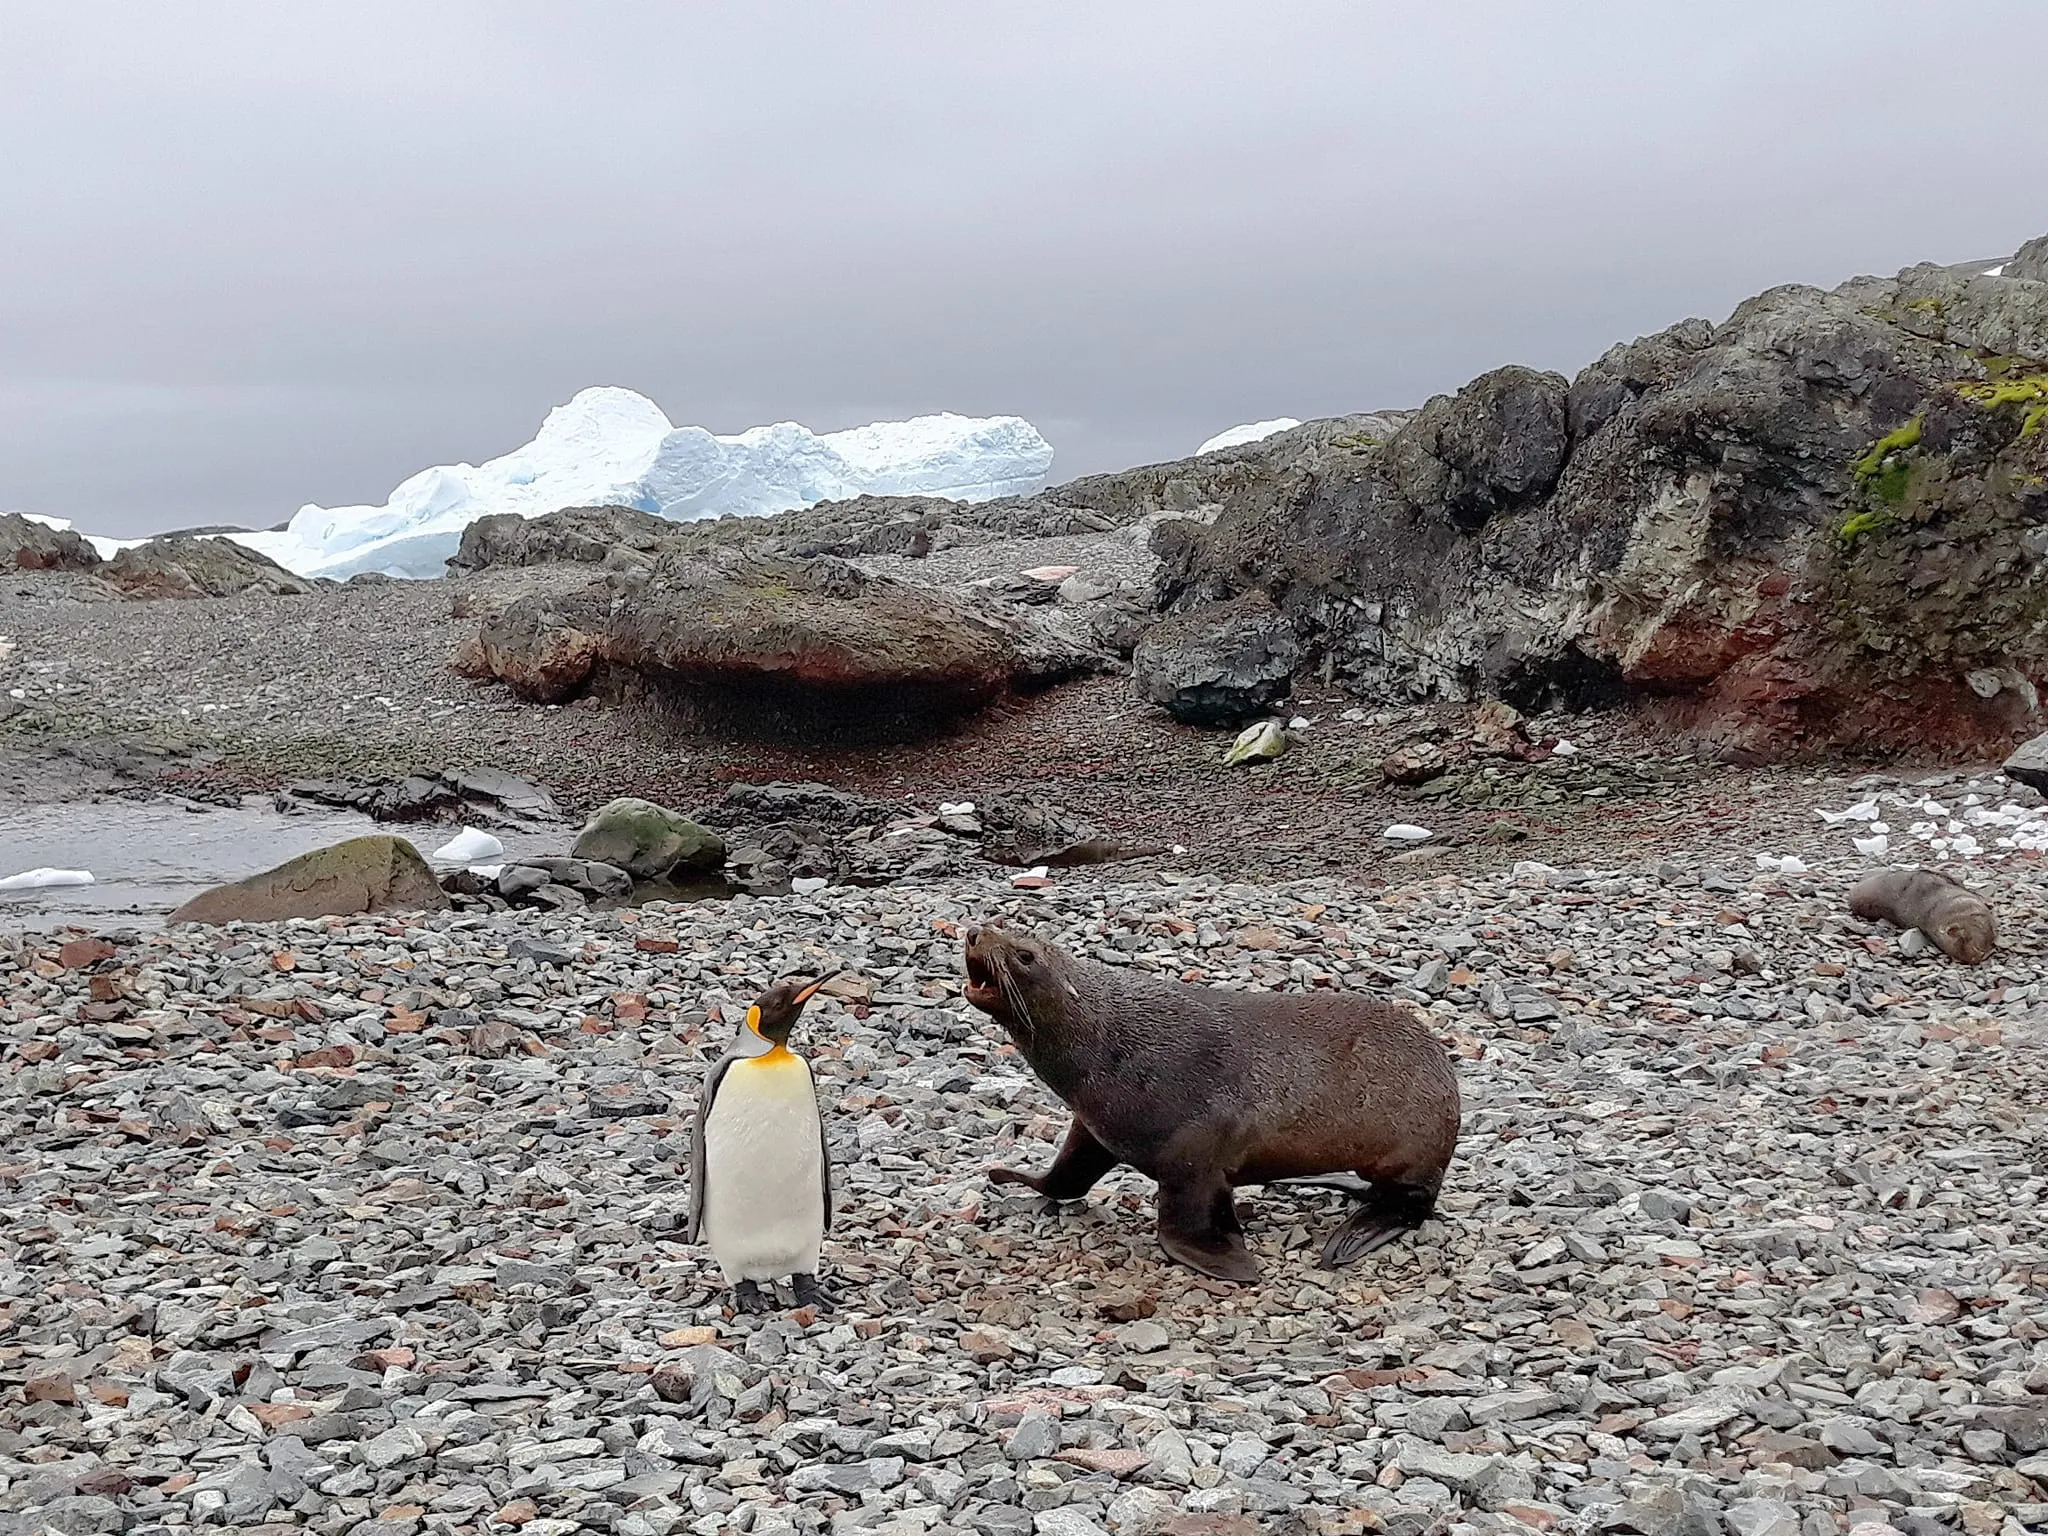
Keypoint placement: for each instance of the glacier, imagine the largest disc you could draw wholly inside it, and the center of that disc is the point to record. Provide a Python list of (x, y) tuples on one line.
[(612, 447), (1250, 432)]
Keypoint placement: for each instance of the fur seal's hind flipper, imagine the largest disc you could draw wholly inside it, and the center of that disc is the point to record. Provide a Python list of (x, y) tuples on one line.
[(1080, 1164), (1383, 1216), (1198, 1227)]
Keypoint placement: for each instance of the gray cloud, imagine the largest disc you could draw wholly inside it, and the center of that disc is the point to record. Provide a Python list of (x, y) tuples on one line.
[(259, 255)]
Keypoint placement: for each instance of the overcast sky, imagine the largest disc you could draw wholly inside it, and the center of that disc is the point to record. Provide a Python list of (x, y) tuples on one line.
[(258, 255)]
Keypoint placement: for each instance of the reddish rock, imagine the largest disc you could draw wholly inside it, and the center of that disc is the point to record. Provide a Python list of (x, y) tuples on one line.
[(80, 953)]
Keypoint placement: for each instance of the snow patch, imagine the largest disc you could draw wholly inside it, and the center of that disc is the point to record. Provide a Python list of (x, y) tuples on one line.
[(469, 845), (1250, 432), (45, 879), (612, 447)]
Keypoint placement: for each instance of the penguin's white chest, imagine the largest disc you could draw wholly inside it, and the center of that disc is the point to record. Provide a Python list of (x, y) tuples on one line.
[(764, 1195)]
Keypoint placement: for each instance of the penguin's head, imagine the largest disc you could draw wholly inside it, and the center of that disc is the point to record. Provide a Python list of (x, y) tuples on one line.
[(775, 1011)]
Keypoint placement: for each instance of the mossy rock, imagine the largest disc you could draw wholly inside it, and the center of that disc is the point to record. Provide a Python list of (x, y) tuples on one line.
[(648, 841), (363, 874)]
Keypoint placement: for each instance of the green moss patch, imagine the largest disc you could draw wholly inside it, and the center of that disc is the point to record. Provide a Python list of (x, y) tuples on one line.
[(2029, 391)]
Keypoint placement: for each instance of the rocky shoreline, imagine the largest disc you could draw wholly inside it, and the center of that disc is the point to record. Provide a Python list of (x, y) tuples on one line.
[(367, 1224)]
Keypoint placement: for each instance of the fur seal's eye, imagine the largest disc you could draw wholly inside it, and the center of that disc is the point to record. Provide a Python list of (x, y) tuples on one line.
[(1026, 957)]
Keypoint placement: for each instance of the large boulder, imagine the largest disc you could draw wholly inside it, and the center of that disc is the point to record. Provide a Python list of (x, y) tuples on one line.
[(28, 545), (648, 841), (363, 874), (1220, 664), (1820, 524), (545, 648), (575, 535), (180, 566), (811, 646)]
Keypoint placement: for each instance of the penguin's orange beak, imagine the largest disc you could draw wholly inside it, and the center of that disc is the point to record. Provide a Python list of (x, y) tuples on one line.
[(812, 990)]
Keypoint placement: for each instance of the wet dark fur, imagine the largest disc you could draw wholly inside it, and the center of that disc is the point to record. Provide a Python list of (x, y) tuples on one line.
[(1203, 1089), (1954, 917)]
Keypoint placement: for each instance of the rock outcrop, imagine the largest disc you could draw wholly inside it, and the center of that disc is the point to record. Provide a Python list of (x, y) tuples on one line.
[(575, 535), (363, 874), (187, 567), (774, 644), (2031, 261), (1820, 524), (648, 841), (1219, 664), (27, 545)]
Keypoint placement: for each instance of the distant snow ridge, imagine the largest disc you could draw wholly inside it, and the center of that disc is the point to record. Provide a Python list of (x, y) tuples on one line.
[(1250, 432), (612, 447)]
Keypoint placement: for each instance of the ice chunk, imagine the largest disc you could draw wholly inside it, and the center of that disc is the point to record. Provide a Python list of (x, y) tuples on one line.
[(1250, 432), (808, 885), (612, 447), (44, 879), (1875, 847), (469, 845), (1862, 810), (956, 807), (1407, 832), (1564, 749), (1788, 864)]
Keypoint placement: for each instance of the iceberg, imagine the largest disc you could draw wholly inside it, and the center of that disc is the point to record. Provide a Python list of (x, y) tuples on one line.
[(1250, 432), (613, 447)]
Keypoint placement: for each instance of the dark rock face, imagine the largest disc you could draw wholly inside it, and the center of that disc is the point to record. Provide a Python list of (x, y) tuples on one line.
[(579, 535), (187, 567), (487, 794), (363, 874), (1821, 524), (31, 546), (1220, 664)]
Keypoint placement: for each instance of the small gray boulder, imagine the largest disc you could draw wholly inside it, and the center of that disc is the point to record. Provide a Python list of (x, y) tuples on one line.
[(648, 841)]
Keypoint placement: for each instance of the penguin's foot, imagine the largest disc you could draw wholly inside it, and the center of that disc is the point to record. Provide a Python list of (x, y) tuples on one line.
[(749, 1297), (809, 1293)]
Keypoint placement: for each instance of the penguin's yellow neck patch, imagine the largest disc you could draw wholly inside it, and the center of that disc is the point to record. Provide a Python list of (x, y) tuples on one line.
[(777, 1053)]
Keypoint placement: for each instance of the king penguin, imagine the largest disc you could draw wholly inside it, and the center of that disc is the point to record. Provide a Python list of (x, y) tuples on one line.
[(760, 1174)]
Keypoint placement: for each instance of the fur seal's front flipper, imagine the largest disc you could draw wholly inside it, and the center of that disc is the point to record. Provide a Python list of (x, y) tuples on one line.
[(1080, 1164), (1198, 1226), (1383, 1216)]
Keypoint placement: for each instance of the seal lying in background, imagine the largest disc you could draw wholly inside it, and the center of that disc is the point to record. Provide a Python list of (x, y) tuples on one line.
[(1203, 1089), (1940, 906)]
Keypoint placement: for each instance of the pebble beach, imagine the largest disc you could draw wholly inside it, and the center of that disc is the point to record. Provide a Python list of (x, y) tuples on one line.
[(370, 1224)]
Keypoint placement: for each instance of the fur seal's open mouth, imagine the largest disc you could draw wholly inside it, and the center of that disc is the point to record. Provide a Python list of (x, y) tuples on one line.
[(982, 989)]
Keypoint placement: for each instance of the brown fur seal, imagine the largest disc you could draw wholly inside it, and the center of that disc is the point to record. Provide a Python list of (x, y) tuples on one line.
[(1203, 1089), (1939, 905)]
